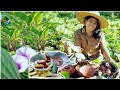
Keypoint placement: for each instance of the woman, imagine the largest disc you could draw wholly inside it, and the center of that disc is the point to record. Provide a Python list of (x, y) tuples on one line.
[(89, 40)]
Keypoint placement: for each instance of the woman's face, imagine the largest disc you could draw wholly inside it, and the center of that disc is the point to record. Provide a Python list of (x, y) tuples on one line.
[(91, 24)]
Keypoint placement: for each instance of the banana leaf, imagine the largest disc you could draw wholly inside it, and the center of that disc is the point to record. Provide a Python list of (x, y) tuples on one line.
[(9, 69)]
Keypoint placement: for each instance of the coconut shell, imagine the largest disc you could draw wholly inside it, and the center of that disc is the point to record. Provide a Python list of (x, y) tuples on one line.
[(87, 71)]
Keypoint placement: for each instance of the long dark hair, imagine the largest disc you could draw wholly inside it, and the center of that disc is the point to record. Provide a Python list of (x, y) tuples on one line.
[(97, 32)]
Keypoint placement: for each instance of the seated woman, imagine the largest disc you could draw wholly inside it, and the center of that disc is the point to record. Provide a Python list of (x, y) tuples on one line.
[(89, 41)]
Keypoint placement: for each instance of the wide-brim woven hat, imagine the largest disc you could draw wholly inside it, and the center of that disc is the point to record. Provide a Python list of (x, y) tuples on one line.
[(80, 15)]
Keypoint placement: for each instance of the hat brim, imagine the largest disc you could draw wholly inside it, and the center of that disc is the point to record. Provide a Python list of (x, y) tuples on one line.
[(82, 14)]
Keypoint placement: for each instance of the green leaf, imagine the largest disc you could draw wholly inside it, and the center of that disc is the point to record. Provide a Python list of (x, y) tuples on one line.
[(36, 32), (97, 61), (44, 35), (36, 57), (6, 31), (24, 75), (28, 20), (118, 64), (66, 74), (9, 69), (55, 68), (12, 18), (16, 35), (101, 77), (23, 16), (105, 75), (37, 17)]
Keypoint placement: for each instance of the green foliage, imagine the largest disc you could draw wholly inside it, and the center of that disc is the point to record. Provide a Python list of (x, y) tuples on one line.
[(10, 38), (112, 35), (69, 15), (65, 74), (9, 70)]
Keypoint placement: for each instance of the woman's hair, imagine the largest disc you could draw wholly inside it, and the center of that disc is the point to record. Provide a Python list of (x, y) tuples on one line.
[(97, 33)]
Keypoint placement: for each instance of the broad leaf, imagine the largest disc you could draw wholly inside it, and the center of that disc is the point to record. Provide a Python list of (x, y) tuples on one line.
[(36, 57), (9, 69), (97, 61), (55, 68), (66, 74), (23, 16)]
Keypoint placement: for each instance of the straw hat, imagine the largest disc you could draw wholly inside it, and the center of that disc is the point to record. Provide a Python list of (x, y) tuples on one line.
[(80, 15)]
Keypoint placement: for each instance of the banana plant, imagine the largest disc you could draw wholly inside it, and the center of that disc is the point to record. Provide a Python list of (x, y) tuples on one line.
[(38, 38), (10, 38), (34, 33), (11, 31)]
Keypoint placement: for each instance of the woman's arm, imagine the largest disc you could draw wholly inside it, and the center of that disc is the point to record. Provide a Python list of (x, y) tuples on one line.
[(76, 47)]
